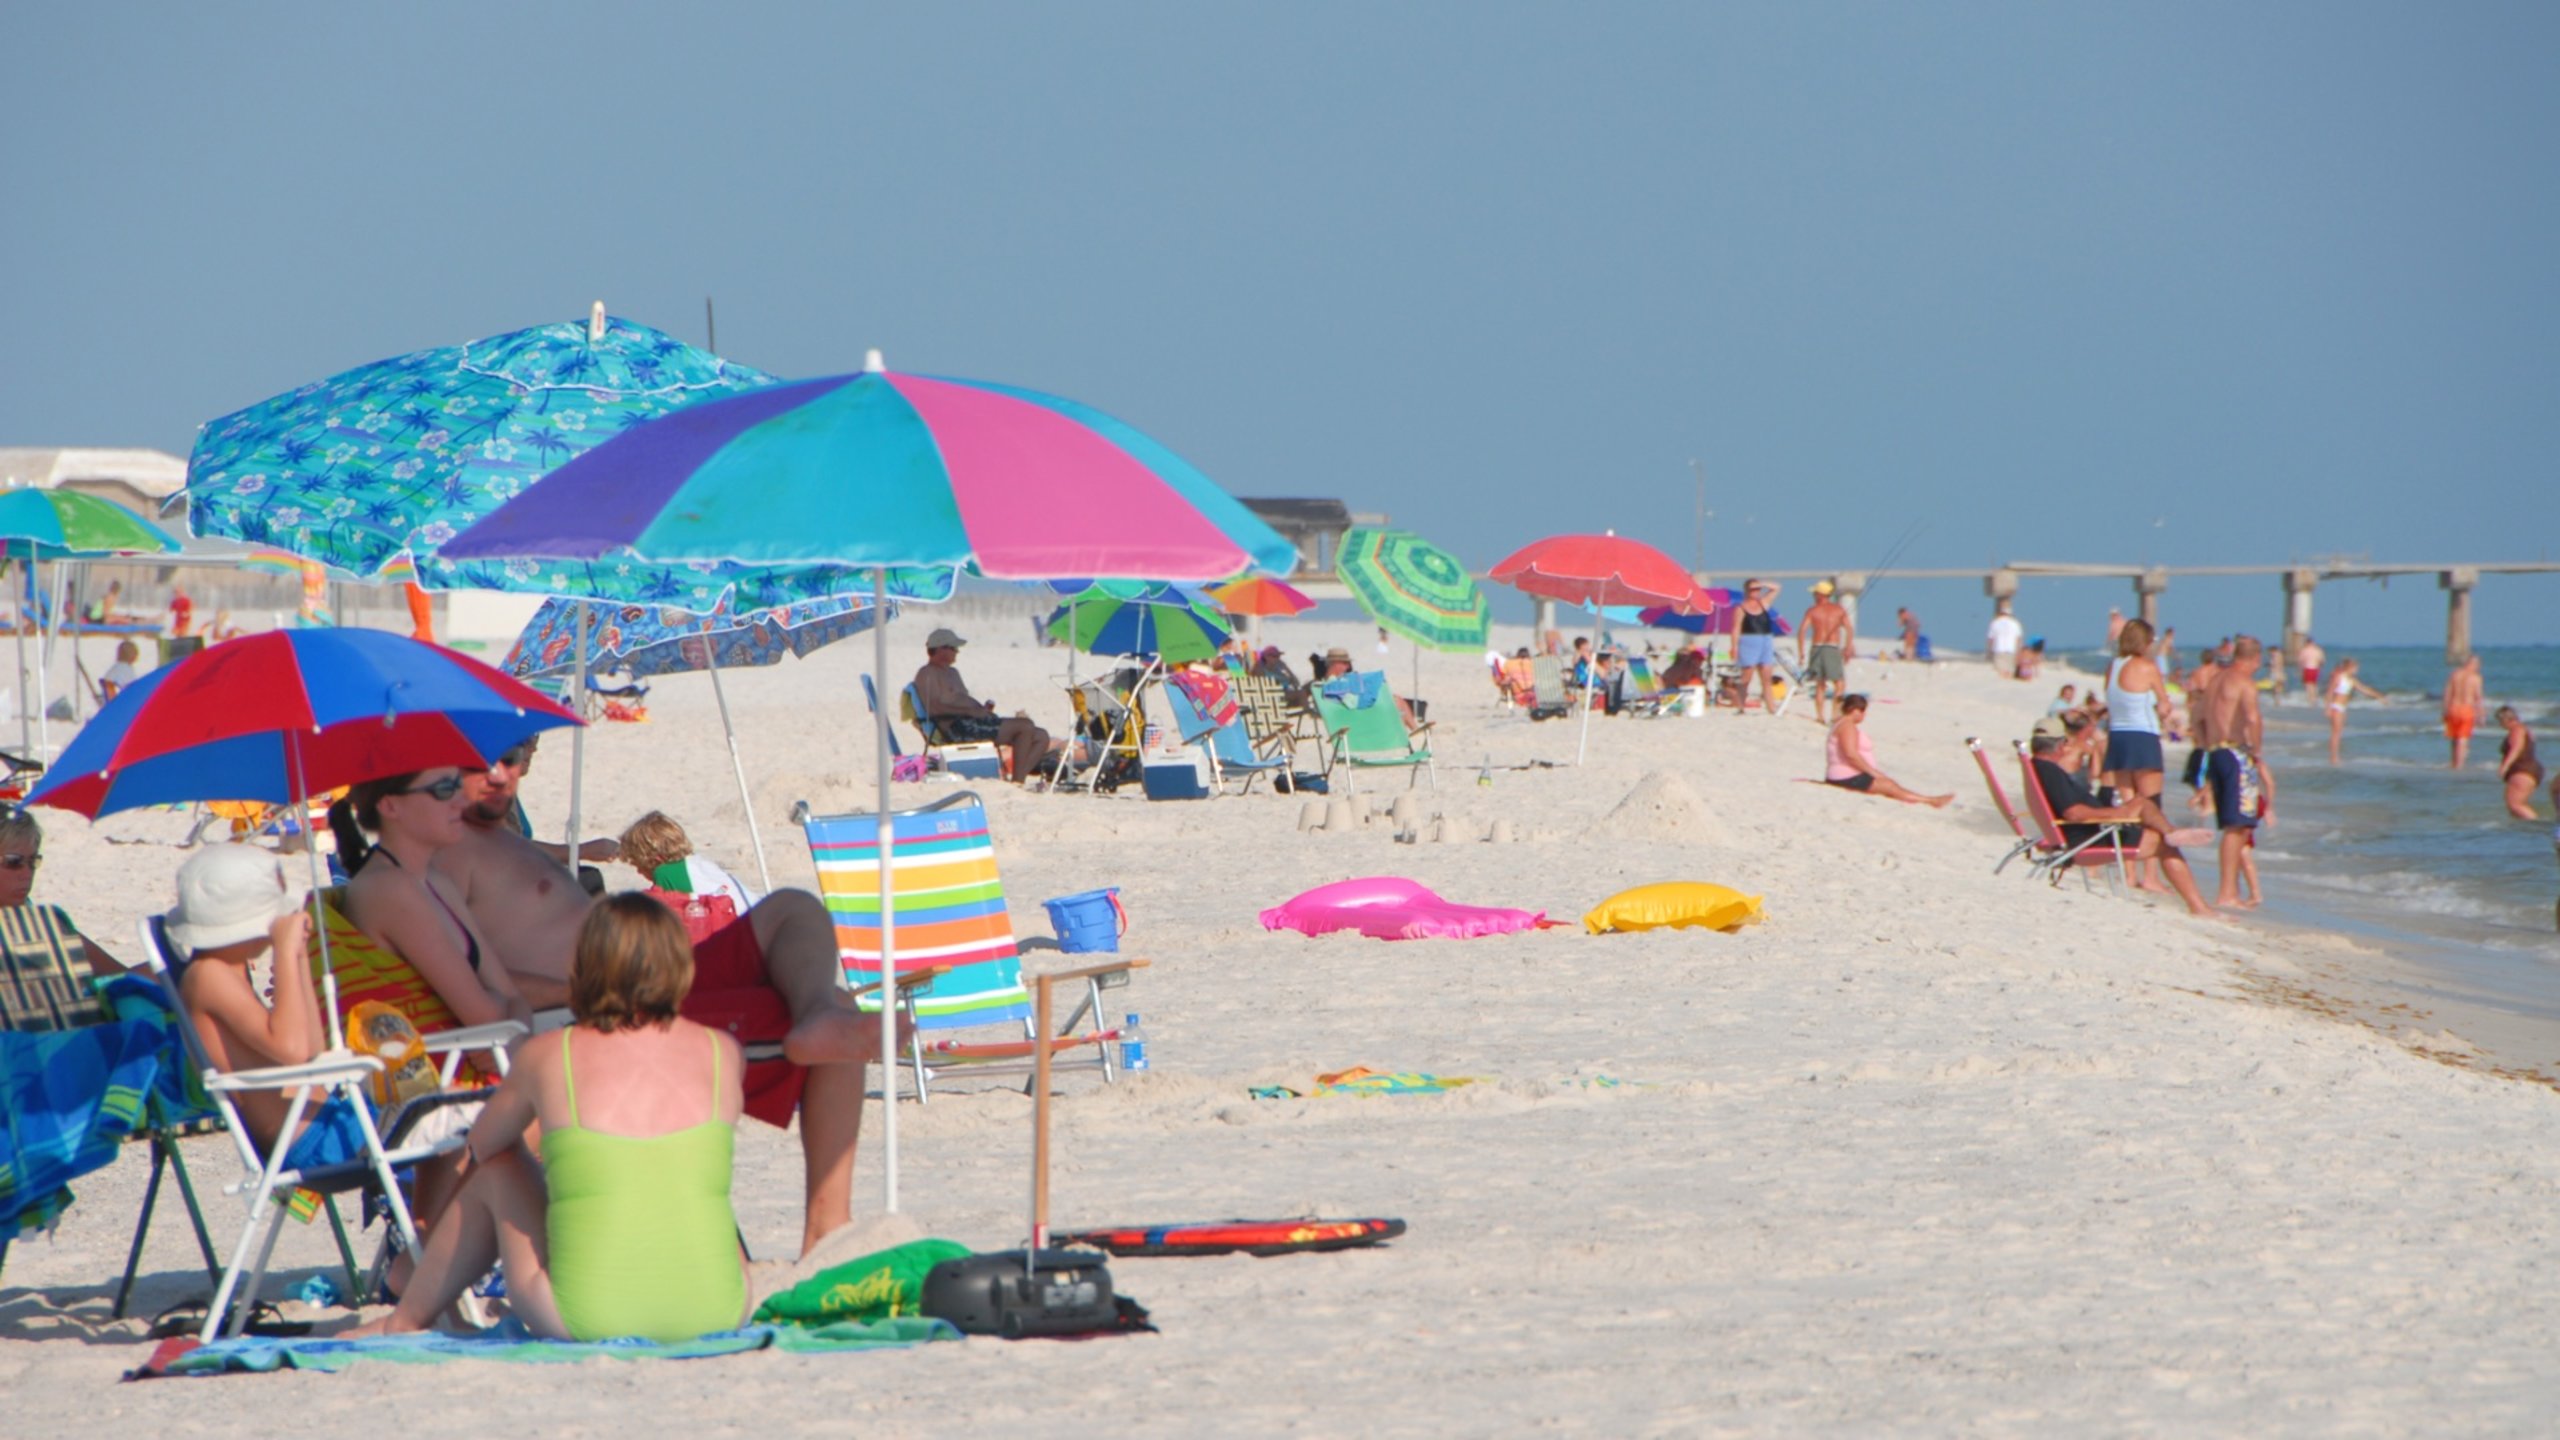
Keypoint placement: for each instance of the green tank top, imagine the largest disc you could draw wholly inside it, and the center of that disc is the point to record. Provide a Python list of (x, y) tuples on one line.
[(643, 1241)]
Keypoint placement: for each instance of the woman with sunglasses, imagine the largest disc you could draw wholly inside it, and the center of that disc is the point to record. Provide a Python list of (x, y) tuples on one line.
[(21, 853), (420, 915)]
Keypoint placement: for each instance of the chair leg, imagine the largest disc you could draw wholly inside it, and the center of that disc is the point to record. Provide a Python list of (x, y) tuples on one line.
[(220, 1309), (164, 1154), (346, 1254)]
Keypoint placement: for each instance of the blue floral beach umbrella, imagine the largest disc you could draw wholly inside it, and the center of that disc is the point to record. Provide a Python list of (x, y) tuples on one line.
[(650, 640), (398, 456)]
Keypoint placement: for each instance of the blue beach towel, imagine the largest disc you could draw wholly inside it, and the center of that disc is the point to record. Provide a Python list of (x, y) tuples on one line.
[(511, 1342), (71, 1097)]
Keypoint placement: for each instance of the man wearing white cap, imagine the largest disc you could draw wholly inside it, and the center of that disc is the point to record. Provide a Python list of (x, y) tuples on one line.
[(953, 713), (1830, 632)]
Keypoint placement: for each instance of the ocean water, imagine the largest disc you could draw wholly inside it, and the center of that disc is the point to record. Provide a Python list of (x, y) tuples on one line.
[(2396, 848)]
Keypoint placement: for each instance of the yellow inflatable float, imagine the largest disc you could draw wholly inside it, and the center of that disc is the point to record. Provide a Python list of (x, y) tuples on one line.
[(1672, 904)]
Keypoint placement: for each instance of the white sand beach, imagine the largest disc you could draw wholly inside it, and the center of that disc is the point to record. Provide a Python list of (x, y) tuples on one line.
[(1928, 1151)]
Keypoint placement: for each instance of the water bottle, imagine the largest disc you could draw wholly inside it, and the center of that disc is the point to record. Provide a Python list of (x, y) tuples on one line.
[(1484, 776), (1133, 1044)]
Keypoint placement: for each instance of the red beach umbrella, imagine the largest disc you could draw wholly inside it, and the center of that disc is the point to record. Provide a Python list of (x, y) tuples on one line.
[(1604, 569)]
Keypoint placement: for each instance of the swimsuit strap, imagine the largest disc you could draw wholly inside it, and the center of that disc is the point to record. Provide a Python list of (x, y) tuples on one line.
[(470, 942), (568, 1086)]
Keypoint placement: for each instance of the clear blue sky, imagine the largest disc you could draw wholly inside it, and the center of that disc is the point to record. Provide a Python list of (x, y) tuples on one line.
[(2177, 283)]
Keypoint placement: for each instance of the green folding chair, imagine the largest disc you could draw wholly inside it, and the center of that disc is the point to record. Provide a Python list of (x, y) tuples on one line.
[(1374, 738)]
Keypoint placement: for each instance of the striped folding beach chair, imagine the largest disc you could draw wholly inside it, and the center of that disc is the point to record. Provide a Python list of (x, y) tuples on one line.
[(950, 917)]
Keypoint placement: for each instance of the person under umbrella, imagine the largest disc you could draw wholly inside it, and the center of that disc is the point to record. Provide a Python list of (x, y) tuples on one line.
[(952, 712)]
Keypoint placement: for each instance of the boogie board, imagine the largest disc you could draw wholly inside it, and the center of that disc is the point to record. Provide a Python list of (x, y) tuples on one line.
[(1227, 1237)]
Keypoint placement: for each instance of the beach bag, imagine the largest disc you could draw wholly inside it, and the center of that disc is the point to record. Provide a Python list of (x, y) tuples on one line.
[(407, 1073), (883, 1285)]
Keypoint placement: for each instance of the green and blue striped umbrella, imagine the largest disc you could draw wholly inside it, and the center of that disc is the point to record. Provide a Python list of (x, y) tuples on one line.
[(1413, 587), (1119, 617), (38, 524)]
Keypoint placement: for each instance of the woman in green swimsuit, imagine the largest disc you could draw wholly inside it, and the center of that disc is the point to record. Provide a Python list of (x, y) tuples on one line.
[(624, 1226)]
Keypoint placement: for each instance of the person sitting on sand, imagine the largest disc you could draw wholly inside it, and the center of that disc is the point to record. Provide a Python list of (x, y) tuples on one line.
[(2065, 702), (2057, 753), (776, 970), (1687, 668), (658, 848), (624, 1226), (1852, 759), (121, 673), (952, 712), (2519, 769)]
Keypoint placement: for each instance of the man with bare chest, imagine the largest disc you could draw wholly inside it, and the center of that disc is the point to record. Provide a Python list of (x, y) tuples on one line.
[(772, 973), (2230, 731)]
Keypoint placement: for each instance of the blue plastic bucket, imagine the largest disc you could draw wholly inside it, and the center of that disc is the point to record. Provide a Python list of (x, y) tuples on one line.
[(1090, 922)]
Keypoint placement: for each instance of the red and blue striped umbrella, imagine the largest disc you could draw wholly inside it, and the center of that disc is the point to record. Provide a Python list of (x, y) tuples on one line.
[(289, 714)]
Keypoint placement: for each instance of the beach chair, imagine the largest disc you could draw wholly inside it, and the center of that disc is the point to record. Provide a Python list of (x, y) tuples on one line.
[(2108, 845), (1548, 698), (266, 1180), (1278, 724), (47, 994), (976, 759), (1373, 737), (951, 919), (1110, 727), (367, 969), (2028, 842), (1231, 752), (1644, 693)]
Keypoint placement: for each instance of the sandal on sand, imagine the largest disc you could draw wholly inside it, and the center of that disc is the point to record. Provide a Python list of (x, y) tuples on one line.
[(187, 1318)]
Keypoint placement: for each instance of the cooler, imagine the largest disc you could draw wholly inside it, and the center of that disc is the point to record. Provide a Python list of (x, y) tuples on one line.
[(1182, 774)]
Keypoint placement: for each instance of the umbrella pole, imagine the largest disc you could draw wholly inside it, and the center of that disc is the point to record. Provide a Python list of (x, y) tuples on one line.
[(44, 661), (578, 745), (319, 927), (26, 593), (738, 767), (888, 903)]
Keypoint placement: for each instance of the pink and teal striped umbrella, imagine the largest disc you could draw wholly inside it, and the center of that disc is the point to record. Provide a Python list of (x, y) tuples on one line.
[(875, 469)]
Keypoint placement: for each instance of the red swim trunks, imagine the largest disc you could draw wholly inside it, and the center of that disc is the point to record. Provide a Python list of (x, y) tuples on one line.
[(2458, 726), (732, 992)]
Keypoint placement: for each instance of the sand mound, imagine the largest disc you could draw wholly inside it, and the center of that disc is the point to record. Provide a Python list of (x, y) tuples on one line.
[(1662, 809)]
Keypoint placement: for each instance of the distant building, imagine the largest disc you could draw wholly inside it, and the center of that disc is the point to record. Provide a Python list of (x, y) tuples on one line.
[(1314, 526), (139, 480)]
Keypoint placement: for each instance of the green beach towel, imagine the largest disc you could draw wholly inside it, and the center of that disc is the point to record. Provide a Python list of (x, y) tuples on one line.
[(883, 1285), (511, 1343)]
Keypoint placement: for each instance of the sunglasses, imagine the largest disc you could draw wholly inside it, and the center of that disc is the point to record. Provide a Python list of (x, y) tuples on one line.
[(444, 789), (20, 862)]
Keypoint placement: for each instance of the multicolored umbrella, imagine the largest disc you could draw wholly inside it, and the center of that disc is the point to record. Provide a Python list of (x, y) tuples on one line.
[(43, 524), (1261, 595), (651, 640), (1714, 617), (395, 457), (39, 524), (1174, 623), (287, 715), (881, 470), (1413, 587)]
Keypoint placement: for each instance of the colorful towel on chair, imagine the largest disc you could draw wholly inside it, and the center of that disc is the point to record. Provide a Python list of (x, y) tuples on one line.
[(1207, 691), (71, 1097), (254, 1355)]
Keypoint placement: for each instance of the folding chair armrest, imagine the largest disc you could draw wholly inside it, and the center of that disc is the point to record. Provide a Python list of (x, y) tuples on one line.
[(1417, 730), (907, 981), (327, 1069), (475, 1037), (1092, 972)]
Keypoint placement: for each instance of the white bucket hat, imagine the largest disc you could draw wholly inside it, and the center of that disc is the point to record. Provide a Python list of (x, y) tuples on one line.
[(226, 894)]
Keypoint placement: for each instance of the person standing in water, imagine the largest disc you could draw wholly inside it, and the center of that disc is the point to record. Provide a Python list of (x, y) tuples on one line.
[(2519, 769), (2343, 686), (2462, 708)]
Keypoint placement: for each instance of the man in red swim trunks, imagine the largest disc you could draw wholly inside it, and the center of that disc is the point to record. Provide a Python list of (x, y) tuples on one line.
[(771, 975)]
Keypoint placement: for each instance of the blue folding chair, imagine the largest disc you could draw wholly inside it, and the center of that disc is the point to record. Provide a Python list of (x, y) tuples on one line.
[(1230, 745)]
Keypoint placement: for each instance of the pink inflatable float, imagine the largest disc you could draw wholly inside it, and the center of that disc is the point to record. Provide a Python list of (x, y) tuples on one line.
[(1388, 907)]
